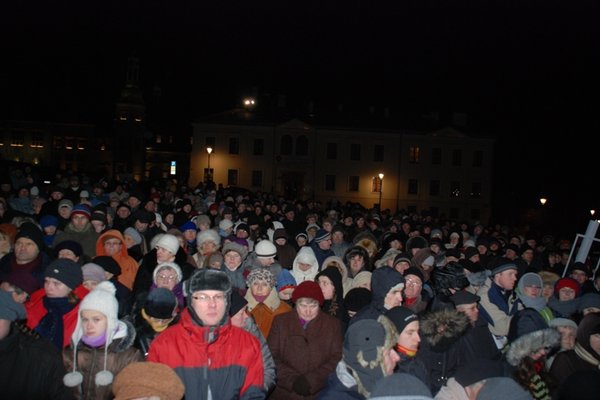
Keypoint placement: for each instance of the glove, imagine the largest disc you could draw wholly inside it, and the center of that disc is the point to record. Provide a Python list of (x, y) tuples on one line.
[(301, 386)]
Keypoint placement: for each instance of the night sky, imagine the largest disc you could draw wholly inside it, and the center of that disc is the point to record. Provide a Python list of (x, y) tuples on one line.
[(524, 71)]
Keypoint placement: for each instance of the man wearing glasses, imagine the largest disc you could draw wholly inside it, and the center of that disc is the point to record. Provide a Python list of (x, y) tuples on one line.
[(214, 359)]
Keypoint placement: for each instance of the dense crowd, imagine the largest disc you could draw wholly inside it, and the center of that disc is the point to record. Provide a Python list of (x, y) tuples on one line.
[(130, 290)]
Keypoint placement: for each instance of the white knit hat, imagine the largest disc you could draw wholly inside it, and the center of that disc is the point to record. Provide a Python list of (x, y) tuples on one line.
[(101, 299), (167, 265), (265, 249), (168, 242)]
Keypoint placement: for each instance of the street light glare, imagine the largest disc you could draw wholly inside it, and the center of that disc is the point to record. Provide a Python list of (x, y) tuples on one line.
[(209, 150), (381, 176), (543, 200)]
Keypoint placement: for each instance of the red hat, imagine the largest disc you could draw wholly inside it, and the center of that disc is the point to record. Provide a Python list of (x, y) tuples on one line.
[(310, 290), (567, 282)]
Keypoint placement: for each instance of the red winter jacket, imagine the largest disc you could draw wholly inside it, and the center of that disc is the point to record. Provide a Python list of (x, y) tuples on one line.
[(231, 364)]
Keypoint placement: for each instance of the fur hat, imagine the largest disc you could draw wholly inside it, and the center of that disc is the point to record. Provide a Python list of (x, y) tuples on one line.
[(103, 300), (169, 243), (238, 248), (132, 233), (147, 379), (30, 231), (416, 242), (442, 328), (66, 271), (208, 279), (160, 303), (225, 224), (171, 265), (209, 235), (364, 344), (265, 249), (390, 254), (10, 310), (401, 317), (308, 289)]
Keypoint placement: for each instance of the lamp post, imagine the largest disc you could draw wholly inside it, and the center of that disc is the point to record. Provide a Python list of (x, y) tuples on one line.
[(543, 201), (208, 175), (380, 189)]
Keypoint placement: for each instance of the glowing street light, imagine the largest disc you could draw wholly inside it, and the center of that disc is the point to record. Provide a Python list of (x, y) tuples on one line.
[(380, 188), (592, 212), (208, 174), (543, 200)]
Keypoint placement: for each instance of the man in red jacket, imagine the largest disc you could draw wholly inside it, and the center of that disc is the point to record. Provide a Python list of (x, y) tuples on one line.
[(214, 359)]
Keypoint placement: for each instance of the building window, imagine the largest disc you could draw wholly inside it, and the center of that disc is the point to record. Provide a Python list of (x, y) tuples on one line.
[(302, 146), (69, 143), (378, 153), (257, 178), (37, 140), (455, 189), (457, 157), (413, 186), (80, 144), (209, 141), (258, 149), (476, 190), (355, 152), (330, 183), (232, 177), (234, 145), (476, 214), (436, 156), (331, 151), (17, 139), (454, 213), (353, 182), (158, 139), (58, 142), (286, 145), (478, 158), (414, 154), (434, 188)]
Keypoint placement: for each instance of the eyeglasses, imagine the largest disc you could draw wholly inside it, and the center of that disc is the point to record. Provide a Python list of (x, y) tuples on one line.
[(204, 298), (167, 277), (411, 283), (109, 243)]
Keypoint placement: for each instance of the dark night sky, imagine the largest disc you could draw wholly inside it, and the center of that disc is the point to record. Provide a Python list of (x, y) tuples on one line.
[(523, 70)]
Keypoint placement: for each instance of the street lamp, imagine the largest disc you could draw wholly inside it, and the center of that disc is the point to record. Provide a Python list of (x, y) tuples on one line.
[(208, 174), (543, 201), (380, 189)]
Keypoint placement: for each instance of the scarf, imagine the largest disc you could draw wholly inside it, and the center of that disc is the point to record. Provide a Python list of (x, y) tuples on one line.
[(260, 299), (29, 267), (94, 341), (586, 356), (537, 303), (501, 299), (51, 325), (406, 351), (156, 325)]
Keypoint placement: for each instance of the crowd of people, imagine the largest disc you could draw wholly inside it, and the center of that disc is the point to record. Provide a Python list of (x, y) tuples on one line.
[(114, 290)]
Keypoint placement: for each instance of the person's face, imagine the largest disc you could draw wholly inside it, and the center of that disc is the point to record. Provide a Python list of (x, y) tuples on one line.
[(510, 254), (189, 235), (98, 226), (150, 206), (166, 278), (93, 323), (112, 246), (280, 241), (307, 308), (532, 291), (327, 226), (55, 288), (265, 262), (506, 279), (4, 244), (140, 226), (232, 260), (90, 284), (326, 287), (286, 293), (79, 221), (409, 338), (402, 266), (123, 212), (25, 250), (239, 319), (64, 212), (208, 247), (209, 306), (539, 354), (129, 242), (470, 310), (337, 237), (300, 241), (595, 342), (547, 291), (356, 263), (304, 266), (169, 218), (68, 254), (325, 244), (566, 294), (413, 286), (260, 287), (164, 255), (579, 276), (567, 337), (133, 202), (393, 298), (390, 358)]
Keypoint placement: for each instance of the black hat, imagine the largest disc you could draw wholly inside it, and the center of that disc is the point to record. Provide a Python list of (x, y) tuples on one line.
[(108, 264), (579, 266), (66, 271), (470, 252), (402, 257), (502, 264), (477, 370), (208, 279), (358, 298), (401, 317), (464, 297), (453, 253), (237, 303), (161, 303), (513, 247), (144, 216), (30, 231), (414, 271), (72, 245)]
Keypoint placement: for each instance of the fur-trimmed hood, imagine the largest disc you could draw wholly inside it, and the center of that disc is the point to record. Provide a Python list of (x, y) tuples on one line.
[(529, 343), (443, 328)]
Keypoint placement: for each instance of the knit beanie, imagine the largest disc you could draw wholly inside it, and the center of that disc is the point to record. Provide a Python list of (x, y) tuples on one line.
[(93, 272), (82, 209), (503, 264), (321, 235), (48, 220), (30, 231), (364, 344), (285, 280), (308, 289), (169, 243), (567, 282), (265, 249), (147, 379), (72, 245), (103, 300), (133, 234), (358, 298), (238, 248), (66, 271), (401, 317), (160, 303)]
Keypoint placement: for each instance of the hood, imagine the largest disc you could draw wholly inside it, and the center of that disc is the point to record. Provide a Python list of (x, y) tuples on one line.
[(443, 328)]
